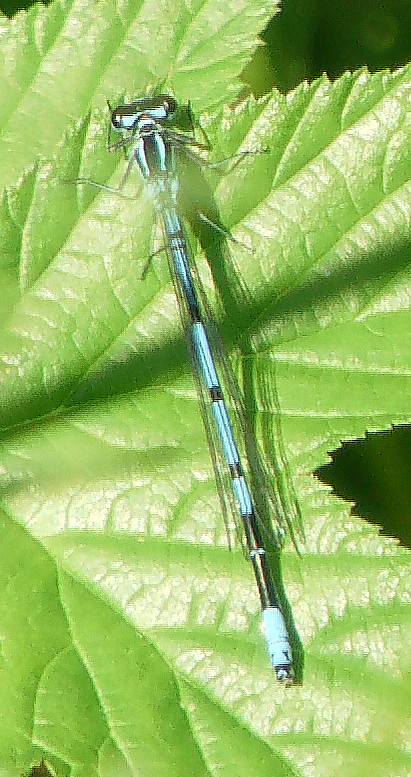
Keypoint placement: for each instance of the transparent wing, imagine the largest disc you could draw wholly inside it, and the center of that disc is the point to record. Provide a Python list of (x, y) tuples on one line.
[(272, 486), (229, 507), (273, 492)]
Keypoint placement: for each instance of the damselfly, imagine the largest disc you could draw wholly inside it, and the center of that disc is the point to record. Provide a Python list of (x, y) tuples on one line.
[(147, 131)]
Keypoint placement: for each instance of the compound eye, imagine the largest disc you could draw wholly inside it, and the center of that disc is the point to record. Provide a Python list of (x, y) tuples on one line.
[(116, 120), (170, 105)]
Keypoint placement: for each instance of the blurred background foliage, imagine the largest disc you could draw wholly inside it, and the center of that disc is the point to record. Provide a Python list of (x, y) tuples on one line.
[(306, 39), (312, 37)]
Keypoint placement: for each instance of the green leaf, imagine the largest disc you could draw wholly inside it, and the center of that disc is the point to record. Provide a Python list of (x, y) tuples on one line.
[(131, 639)]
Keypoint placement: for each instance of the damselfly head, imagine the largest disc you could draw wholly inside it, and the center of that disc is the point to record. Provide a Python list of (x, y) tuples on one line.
[(162, 107)]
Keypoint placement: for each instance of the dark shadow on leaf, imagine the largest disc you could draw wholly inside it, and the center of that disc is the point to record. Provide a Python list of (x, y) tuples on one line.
[(375, 474)]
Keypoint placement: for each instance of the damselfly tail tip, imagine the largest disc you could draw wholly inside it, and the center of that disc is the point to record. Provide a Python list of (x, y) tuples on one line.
[(278, 644), (284, 674)]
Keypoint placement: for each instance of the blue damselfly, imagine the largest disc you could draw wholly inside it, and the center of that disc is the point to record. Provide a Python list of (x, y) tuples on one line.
[(154, 145)]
